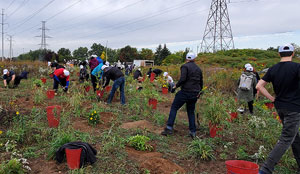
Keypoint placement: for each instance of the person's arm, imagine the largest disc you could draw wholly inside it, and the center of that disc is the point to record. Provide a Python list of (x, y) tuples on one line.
[(5, 83), (67, 82), (261, 88), (182, 77), (107, 79), (13, 77)]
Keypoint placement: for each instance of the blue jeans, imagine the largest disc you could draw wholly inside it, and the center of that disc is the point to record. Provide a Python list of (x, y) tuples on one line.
[(182, 97), (120, 82), (289, 137)]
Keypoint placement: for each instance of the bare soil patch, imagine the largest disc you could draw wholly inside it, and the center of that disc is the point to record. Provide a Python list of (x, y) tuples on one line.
[(142, 124)]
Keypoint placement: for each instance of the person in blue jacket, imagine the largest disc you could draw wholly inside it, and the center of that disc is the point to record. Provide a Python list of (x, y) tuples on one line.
[(97, 72)]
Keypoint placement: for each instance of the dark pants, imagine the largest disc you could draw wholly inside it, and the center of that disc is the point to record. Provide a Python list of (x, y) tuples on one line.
[(94, 81), (17, 81), (120, 82), (63, 83), (250, 105), (182, 97), (289, 137)]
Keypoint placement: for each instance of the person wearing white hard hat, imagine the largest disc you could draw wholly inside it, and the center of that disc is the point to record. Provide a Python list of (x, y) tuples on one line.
[(115, 74), (191, 83), (61, 76), (246, 88), (285, 77), (169, 80), (83, 74)]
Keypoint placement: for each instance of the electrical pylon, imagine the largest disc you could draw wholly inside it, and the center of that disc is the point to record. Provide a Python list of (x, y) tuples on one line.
[(43, 36), (217, 35)]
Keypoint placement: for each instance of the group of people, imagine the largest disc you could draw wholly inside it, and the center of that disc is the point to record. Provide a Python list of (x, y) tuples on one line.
[(284, 76)]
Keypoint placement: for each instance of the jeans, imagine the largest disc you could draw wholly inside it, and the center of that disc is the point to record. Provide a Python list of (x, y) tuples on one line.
[(63, 82), (120, 82), (182, 97), (94, 81), (250, 105), (289, 137)]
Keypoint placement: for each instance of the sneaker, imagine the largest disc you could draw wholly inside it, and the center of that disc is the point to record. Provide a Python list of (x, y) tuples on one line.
[(261, 172), (167, 132), (193, 135)]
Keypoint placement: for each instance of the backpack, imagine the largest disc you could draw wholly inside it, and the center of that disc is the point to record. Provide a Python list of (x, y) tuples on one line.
[(245, 82)]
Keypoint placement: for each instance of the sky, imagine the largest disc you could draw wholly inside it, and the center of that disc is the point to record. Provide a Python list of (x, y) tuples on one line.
[(144, 23)]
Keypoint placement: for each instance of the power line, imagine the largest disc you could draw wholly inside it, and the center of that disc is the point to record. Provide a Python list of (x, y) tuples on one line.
[(63, 10), (34, 14), (18, 8), (113, 27), (10, 4), (110, 13)]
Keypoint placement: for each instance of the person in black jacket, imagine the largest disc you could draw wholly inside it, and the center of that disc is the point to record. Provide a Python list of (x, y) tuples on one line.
[(137, 74), (191, 83), (157, 72), (117, 76)]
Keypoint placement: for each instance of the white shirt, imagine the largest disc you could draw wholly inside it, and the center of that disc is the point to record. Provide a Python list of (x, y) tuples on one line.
[(170, 79)]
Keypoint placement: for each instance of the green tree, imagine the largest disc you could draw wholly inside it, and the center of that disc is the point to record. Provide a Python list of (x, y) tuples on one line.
[(146, 54), (128, 54), (165, 52), (157, 55), (81, 53), (96, 49), (172, 59), (64, 53)]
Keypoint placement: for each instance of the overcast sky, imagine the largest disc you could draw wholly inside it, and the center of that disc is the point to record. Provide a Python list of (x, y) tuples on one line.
[(145, 23)]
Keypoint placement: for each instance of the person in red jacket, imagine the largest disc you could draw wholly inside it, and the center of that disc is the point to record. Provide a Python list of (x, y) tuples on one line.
[(61, 76)]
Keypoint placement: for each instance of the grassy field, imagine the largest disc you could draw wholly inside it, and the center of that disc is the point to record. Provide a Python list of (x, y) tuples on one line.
[(128, 138)]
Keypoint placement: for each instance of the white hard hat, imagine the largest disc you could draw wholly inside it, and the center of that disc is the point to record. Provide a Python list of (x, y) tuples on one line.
[(190, 56), (248, 65), (103, 67), (5, 71), (66, 73), (249, 68), (165, 74), (49, 63), (81, 66), (94, 55)]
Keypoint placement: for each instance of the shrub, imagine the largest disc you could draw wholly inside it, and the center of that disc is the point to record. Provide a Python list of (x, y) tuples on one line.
[(13, 166), (200, 149), (59, 140), (94, 118), (140, 142)]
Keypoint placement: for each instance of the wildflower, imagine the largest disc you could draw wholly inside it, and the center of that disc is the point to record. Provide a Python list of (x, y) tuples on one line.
[(91, 118), (92, 114), (205, 87), (17, 113), (1, 132), (95, 112)]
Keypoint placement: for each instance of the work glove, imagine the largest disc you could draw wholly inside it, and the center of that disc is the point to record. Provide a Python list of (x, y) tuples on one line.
[(65, 89)]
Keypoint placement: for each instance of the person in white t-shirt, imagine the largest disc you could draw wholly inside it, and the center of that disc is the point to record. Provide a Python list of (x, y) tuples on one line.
[(169, 81)]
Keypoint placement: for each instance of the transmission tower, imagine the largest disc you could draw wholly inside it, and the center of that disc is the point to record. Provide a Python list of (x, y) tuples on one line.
[(2, 24), (217, 35), (43, 36)]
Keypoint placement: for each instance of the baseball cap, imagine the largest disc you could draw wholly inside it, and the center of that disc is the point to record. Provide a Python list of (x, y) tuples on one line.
[(81, 66), (286, 48), (93, 55), (190, 56), (66, 73), (5, 71), (248, 65), (103, 67), (165, 74), (249, 68)]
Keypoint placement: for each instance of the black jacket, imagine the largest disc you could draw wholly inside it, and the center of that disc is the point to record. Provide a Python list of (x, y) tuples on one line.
[(113, 73), (157, 71), (88, 153), (191, 79), (137, 74)]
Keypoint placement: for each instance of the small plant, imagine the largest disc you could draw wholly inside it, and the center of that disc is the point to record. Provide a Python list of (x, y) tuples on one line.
[(38, 82), (94, 118), (12, 166), (241, 153), (214, 110), (199, 149), (140, 142)]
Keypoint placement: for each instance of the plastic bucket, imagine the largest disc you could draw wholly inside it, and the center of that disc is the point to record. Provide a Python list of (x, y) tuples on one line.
[(87, 88), (73, 158), (152, 77), (53, 118), (43, 80), (233, 115), (107, 88), (152, 102), (241, 167), (50, 94), (213, 130), (164, 90), (100, 93), (51, 75)]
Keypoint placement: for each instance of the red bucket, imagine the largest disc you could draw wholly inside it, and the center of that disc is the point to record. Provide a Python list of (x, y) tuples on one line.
[(241, 167), (87, 88), (73, 158), (213, 130), (50, 94), (164, 90), (107, 88), (100, 93), (43, 80), (51, 75), (152, 102), (152, 77), (233, 115), (269, 105), (53, 118)]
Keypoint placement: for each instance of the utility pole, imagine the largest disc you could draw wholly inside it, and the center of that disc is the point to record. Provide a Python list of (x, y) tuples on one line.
[(10, 47), (2, 25), (217, 35)]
